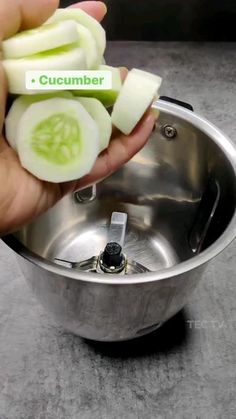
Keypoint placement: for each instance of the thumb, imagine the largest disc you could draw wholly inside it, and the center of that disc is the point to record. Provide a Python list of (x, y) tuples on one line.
[(23, 14), (16, 15)]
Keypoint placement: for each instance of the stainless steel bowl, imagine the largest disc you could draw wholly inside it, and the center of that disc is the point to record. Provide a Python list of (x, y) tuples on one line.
[(179, 194)]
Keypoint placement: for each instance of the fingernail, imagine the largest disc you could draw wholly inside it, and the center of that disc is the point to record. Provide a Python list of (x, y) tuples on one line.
[(104, 7), (151, 118), (124, 73), (156, 113)]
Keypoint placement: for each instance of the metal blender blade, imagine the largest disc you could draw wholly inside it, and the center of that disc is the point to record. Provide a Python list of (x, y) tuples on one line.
[(111, 260), (117, 228)]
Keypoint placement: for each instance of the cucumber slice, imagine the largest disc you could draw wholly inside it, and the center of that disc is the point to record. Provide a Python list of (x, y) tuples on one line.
[(87, 42), (64, 58), (40, 39), (84, 19), (107, 97), (59, 141), (99, 113), (150, 76), (18, 108), (137, 94)]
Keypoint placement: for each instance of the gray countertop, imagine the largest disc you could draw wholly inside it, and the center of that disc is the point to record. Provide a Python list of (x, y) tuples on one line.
[(185, 370)]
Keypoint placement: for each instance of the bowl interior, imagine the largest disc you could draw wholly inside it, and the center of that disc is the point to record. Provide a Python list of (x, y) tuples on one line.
[(179, 195)]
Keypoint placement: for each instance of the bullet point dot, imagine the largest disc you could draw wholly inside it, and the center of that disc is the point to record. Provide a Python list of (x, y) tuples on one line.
[(33, 80)]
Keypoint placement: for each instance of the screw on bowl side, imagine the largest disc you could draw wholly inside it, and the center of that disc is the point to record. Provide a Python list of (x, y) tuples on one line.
[(86, 195), (169, 132)]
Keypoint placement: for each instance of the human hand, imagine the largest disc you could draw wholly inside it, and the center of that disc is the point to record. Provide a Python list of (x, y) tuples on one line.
[(23, 197)]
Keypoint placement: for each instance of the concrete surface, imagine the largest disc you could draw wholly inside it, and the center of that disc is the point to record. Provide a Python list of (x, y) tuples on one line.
[(186, 370)]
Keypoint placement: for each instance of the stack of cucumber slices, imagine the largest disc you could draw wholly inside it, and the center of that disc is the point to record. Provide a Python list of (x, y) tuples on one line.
[(59, 135)]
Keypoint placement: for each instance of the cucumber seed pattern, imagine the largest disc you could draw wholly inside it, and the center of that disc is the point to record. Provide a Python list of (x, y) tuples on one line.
[(57, 139)]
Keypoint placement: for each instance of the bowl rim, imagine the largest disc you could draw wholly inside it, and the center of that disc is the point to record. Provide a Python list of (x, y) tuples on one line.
[(228, 148)]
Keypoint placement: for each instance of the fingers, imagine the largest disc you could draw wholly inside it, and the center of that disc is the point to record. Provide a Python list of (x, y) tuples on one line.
[(17, 14), (34, 12), (3, 95), (123, 72), (96, 9), (10, 18), (121, 149), (21, 14), (3, 145), (24, 14)]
